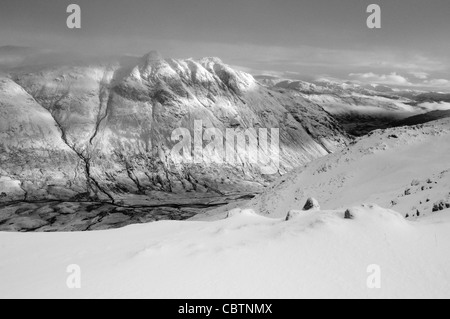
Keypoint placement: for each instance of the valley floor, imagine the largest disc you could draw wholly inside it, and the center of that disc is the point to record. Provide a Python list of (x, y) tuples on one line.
[(60, 216)]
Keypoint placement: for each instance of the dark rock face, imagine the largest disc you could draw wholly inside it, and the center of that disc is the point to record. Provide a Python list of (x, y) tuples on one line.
[(104, 131)]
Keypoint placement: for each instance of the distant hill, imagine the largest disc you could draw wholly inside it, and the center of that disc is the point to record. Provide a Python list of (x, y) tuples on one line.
[(423, 118)]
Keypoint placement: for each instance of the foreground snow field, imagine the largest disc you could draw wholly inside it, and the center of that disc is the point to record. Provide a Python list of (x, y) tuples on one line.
[(316, 254)]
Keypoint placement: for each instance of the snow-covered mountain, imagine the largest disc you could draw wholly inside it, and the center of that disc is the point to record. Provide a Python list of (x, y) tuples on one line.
[(361, 108), (102, 131), (114, 122), (35, 161)]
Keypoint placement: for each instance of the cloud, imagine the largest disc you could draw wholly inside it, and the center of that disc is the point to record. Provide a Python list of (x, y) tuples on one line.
[(389, 79), (419, 75), (437, 83), (242, 68), (257, 71), (397, 80), (10, 61), (435, 106), (304, 59)]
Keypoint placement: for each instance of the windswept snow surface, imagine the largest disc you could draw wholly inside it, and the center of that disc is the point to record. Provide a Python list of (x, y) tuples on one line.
[(316, 254)]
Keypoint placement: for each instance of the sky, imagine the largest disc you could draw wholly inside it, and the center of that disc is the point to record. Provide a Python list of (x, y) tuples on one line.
[(302, 39)]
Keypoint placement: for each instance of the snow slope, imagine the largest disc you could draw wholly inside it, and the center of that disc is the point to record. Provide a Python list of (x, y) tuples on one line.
[(406, 168), (317, 254)]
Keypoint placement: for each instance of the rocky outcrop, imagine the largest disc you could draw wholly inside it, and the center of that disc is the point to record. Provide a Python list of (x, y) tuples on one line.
[(311, 204), (349, 214), (441, 205)]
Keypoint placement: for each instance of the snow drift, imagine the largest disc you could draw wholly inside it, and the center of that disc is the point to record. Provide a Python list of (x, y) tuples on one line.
[(316, 254)]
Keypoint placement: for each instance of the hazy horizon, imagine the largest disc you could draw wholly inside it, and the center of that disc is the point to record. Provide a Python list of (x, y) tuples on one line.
[(285, 38)]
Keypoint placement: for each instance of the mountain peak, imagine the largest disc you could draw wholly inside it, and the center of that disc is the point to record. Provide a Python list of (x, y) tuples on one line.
[(215, 60), (152, 56)]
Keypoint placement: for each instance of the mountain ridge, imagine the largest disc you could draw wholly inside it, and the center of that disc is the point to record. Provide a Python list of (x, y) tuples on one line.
[(118, 120)]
